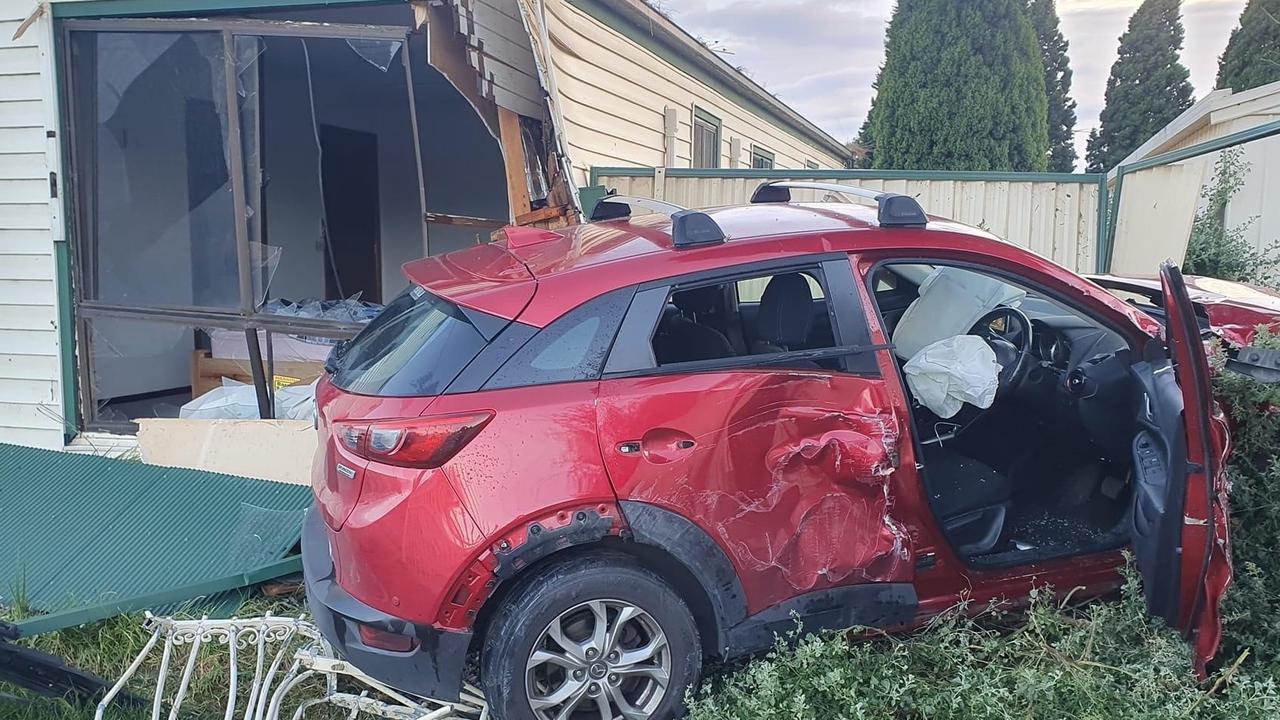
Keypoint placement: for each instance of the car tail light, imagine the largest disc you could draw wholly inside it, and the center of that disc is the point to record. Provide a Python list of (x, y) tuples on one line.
[(419, 442), (383, 640)]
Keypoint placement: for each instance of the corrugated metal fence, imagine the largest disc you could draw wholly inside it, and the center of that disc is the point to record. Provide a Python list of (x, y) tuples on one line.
[(1058, 215)]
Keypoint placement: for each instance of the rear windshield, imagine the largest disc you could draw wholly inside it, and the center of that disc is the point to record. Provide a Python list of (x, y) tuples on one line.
[(416, 346)]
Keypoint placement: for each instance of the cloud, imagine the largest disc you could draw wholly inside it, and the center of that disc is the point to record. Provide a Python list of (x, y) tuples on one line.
[(821, 56)]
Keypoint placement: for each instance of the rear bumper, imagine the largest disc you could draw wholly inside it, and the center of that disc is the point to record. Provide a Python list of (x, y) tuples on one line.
[(433, 669)]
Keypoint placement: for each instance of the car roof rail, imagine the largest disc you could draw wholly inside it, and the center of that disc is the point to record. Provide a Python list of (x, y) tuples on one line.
[(893, 209), (689, 228)]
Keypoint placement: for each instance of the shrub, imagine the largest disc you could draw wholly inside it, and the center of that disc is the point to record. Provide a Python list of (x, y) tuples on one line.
[(1216, 250), (1252, 612), (1106, 660)]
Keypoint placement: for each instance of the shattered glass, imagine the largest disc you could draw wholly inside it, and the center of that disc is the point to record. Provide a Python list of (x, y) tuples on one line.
[(152, 145), (378, 53)]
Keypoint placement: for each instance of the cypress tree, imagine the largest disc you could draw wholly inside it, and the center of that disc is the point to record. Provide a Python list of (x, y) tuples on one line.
[(962, 88), (1057, 83), (1148, 86), (1252, 57)]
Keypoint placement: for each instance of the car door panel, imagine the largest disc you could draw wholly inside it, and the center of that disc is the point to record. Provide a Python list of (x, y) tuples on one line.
[(787, 470), (1180, 533)]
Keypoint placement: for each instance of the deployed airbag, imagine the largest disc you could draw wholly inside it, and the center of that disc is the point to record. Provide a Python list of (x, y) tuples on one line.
[(953, 371), (951, 301)]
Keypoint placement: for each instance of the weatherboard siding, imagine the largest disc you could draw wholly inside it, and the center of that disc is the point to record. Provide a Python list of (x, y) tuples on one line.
[(30, 369), (613, 93)]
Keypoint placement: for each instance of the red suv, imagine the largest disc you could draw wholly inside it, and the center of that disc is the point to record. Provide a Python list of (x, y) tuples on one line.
[(591, 460)]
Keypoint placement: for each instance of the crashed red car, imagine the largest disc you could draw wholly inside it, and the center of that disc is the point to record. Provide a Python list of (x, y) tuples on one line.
[(1231, 311), (597, 458)]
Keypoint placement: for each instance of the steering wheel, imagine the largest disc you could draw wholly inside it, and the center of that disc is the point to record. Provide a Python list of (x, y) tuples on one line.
[(1011, 344)]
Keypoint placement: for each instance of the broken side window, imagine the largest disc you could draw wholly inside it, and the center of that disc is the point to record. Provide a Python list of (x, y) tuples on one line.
[(332, 178), (158, 221)]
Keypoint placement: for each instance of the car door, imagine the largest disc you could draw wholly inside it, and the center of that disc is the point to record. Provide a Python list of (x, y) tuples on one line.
[(781, 457), (1180, 535)]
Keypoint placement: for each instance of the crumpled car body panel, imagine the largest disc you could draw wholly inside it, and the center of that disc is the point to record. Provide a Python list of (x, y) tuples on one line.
[(789, 472)]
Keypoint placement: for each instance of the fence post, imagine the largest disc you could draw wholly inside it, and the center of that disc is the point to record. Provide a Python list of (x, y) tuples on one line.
[(659, 183)]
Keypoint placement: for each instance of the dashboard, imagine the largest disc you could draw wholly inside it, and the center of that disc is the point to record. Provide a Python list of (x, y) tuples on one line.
[(1082, 376)]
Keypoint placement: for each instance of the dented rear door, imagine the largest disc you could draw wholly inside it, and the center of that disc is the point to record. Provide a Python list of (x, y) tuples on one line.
[(787, 469)]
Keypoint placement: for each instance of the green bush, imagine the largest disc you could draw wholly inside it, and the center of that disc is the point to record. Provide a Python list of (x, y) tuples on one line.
[(1252, 611), (1105, 660)]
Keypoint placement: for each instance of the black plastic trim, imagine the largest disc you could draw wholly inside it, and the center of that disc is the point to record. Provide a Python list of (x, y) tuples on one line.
[(873, 605), (587, 526), (701, 556), (486, 363)]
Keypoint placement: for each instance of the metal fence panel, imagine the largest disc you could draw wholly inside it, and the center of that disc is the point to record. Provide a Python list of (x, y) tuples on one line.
[(1055, 215)]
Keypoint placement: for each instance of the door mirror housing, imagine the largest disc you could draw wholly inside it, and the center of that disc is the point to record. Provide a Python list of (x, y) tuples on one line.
[(1261, 364)]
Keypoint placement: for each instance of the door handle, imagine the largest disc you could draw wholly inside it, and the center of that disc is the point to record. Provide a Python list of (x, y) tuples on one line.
[(631, 447)]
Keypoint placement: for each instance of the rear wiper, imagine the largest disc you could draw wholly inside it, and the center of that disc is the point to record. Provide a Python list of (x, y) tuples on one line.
[(334, 360)]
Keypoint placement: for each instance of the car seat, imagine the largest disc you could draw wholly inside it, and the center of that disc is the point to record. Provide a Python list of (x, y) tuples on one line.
[(785, 315), (685, 336)]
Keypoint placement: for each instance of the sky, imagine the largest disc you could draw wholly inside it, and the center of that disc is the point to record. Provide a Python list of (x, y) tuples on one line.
[(821, 56)]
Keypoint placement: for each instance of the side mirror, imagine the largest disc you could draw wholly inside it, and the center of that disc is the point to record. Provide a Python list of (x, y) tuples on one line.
[(1261, 364)]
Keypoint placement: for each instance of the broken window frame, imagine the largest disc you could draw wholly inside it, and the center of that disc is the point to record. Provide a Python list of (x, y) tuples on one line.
[(246, 316)]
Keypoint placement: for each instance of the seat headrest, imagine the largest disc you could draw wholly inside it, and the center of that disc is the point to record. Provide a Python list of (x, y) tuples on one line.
[(786, 311), (699, 300)]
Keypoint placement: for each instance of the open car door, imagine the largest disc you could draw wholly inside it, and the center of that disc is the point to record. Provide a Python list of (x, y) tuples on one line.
[(1180, 500)]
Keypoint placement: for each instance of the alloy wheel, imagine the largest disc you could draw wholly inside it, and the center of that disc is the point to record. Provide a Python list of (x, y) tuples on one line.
[(601, 660)]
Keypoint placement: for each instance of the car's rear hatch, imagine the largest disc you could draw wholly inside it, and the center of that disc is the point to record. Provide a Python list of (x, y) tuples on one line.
[(407, 356)]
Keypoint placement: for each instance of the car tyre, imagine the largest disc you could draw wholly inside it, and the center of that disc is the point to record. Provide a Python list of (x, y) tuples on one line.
[(606, 633)]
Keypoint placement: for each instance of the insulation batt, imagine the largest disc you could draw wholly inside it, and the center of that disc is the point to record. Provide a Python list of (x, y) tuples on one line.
[(952, 371)]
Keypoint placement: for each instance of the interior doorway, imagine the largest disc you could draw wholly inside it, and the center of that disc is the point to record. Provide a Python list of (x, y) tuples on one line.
[(349, 175)]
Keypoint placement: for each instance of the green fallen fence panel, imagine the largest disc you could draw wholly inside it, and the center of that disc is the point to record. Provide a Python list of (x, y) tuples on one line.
[(86, 537)]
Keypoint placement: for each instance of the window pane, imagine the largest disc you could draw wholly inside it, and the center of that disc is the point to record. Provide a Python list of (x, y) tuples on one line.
[(571, 348), (705, 151), (151, 132), (788, 313), (750, 291)]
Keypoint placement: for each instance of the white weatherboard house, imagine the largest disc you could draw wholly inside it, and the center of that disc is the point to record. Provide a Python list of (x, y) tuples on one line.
[(202, 192)]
